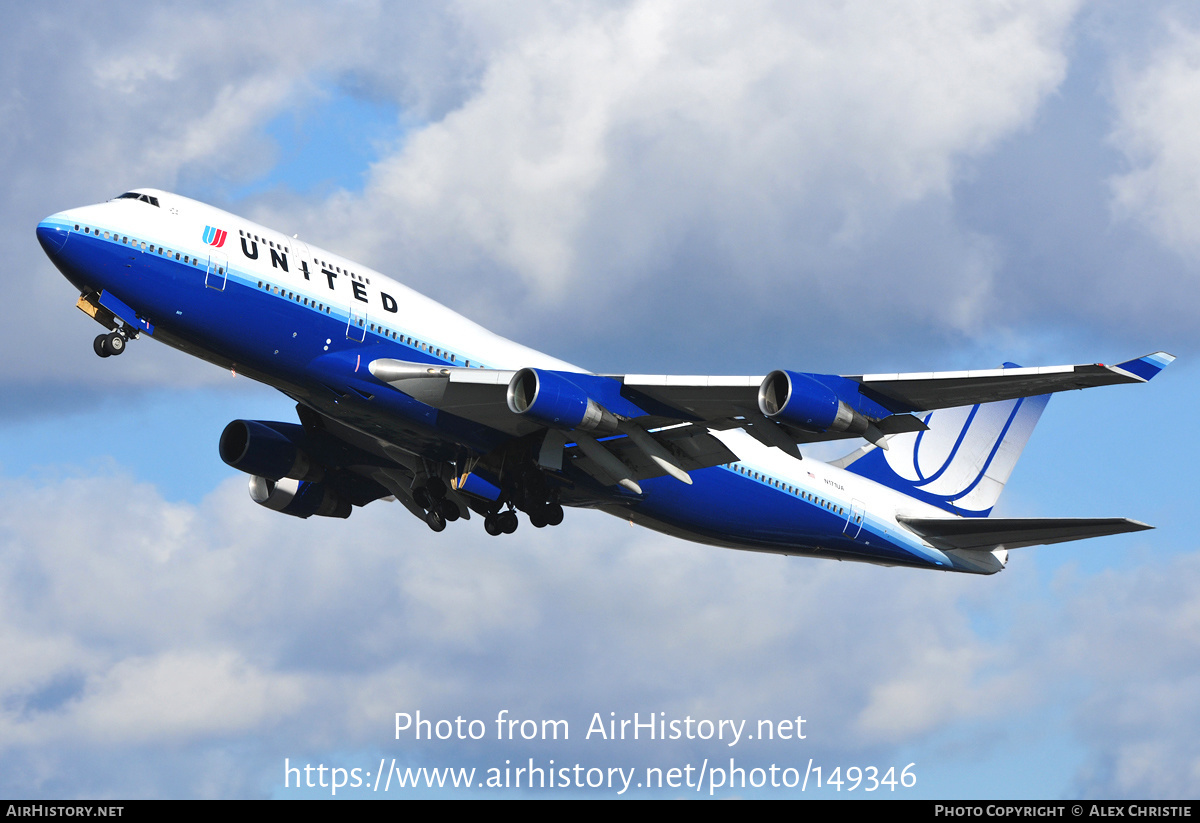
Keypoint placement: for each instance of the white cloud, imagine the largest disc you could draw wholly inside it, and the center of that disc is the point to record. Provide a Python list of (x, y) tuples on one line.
[(1133, 636), (676, 162), (1158, 116), (630, 166), (101, 100), (163, 634), (171, 697), (940, 686), (602, 141)]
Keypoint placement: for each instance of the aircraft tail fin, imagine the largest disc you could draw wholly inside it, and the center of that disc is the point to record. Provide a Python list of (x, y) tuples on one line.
[(964, 459)]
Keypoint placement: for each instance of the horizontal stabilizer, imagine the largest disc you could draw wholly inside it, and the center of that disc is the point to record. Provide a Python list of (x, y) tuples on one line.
[(1014, 532)]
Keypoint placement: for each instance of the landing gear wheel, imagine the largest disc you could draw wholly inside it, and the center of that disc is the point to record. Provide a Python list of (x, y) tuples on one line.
[(537, 518), (508, 522), (491, 525), (422, 498), (99, 346), (114, 343), (553, 514), (448, 510), (435, 521)]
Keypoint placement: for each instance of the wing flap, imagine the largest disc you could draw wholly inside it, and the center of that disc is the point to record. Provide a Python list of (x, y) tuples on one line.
[(698, 397), (692, 447)]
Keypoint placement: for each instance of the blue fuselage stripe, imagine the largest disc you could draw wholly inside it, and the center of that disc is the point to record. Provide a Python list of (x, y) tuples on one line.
[(253, 325)]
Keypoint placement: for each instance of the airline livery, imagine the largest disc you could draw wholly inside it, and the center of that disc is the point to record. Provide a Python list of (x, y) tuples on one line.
[(399, 397)]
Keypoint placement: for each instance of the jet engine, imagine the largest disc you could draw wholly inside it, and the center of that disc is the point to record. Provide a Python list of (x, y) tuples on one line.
[(799, 400), (551, 398), (297, 472), (270, 450), (298, 498)]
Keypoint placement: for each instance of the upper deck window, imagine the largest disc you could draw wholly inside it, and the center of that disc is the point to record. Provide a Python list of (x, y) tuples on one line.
[(133, 195)]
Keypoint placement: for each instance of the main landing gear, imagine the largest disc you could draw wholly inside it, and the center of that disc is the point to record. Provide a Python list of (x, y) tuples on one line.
[(500, 515), (499, 523), (111, 344), (439, 510), (549, 513)]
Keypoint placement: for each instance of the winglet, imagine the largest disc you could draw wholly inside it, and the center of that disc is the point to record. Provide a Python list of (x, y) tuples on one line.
[(1144, 368)]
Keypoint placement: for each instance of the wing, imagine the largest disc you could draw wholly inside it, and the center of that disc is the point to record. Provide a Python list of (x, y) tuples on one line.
[(623, 428), (940, 390), (713, 397)]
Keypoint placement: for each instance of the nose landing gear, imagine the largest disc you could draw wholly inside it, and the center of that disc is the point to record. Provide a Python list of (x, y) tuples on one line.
[(121, 329), (111, 344)]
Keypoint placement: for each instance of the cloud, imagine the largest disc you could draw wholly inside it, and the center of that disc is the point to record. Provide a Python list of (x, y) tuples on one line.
[(639, 168), (608, 150), (603, 146), (164, 634), (624, 183), (1157, 115), (99, 101), (1133, 636), (173, 697)]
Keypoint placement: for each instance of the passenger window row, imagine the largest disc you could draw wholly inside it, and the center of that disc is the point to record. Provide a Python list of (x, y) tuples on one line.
[(792, 490), (377, 329), (448, 356), (124, 239)]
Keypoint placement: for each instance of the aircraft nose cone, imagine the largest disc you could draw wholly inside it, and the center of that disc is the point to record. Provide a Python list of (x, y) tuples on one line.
[(52, 235)]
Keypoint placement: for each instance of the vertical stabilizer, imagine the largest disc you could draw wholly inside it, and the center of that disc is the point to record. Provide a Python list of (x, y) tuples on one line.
[(962, 462)]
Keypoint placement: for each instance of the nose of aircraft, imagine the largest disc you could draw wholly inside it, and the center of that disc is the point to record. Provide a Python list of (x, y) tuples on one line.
[(52, 234)]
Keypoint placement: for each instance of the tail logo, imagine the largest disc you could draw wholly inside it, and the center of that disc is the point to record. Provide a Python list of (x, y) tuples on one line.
[(214, 237), (968, 453), (962, 460)]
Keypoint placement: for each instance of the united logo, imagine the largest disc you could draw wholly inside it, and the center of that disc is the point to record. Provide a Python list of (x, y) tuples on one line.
[(214, 237)]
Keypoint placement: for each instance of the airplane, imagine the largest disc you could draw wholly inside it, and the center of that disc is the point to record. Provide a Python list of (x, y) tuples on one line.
[(399, 397)]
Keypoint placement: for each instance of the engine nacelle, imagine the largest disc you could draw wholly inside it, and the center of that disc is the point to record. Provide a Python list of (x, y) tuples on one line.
[(551, 398), (799, 400), (298, 498), (270, 450)]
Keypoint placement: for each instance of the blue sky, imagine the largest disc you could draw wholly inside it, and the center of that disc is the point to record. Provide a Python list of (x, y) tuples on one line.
[(633, 187)]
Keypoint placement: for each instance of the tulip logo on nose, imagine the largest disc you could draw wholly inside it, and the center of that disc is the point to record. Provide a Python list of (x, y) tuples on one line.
[(214, 237)]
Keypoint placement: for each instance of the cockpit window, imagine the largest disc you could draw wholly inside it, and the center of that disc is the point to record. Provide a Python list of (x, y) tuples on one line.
[(133, 195)]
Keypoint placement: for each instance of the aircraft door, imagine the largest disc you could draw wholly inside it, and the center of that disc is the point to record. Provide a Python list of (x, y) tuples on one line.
[(303, 260), (356, 326), (218, 271), (854, 520)]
